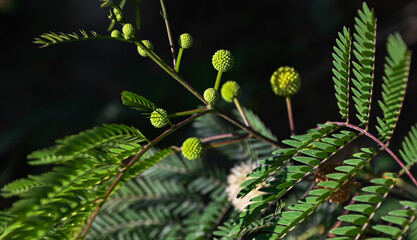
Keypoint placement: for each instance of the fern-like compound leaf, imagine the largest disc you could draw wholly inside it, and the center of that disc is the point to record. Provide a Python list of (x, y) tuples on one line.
[(57, 203), (365, 206), (137, 102), (397, 66), (341, 71), (308, 153), (53, 38), (103, 138), (409, 148), (363, 66), (398, 221)]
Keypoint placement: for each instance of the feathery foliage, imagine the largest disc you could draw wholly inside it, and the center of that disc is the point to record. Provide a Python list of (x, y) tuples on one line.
[(395, 79), (110, 182), (341, 71)]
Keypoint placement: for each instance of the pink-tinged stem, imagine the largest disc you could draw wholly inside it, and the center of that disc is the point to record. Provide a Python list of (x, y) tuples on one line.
[(383, 146), (290, 116)]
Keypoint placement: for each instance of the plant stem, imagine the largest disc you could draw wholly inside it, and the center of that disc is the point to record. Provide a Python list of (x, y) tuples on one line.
[(133, 161), (177, 65), (137, 14), (242, 113), (252, 132), (218, 80), (171, 43), (383, 147), (227, 142), (189, 112), (290, 116), (216, 137), (170, 71)]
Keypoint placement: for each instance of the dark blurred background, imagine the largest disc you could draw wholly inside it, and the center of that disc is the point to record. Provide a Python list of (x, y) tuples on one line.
[(51, 92)]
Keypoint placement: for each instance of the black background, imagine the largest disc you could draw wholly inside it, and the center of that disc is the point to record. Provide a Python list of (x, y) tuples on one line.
[(51, 92)]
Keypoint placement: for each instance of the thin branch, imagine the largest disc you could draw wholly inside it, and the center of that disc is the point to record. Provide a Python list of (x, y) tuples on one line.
[(171, 43), (189, 112), (242, 113), (252, 132), (133, 161), (290, 116), (383, 147)]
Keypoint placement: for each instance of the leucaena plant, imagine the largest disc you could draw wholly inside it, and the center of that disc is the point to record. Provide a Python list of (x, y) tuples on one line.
[(113, 182)]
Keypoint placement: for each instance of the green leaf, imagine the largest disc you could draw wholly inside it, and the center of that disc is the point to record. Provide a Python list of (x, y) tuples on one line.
[(390, 230), (362, 208), (347, 231), (137, 102), (353, 218), (395, 80), (51, 38)]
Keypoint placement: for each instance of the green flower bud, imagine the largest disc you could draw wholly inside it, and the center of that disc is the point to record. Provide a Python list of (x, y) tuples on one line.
[(116, 34), (192, 148), (129, 31), (185, 41), (223, 60), (119, 14), (117, 11), (159, 118), (230, 90), (210, 95), (147, 44), (285, 81)]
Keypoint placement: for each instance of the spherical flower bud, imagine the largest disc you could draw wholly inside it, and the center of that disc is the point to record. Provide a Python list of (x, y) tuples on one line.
[(147, 44), (192, 148), (223, 60), (285, 81), (159, 118), (119, 14), (185, 41), (116, 34), (129, 31), (230, 90), (210, 95)]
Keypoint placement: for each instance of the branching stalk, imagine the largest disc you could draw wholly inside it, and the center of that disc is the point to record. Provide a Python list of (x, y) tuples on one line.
[(383, 147), (189, 112), (171, 43)]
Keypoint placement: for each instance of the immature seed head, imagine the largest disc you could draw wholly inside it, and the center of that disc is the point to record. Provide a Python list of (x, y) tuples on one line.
[(285, 81), (147, 44), (116, 34), (223, 60), (159, 118), (192, 148), (119, 14), (211, 95), (185, 41), (230, 90), (129, 31)]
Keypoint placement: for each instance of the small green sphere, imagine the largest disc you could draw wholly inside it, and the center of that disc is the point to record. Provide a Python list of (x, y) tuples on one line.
[(210, 95), (147, 44), (119, 14), (192, 148), (223, 60), (230, 90), (116, 34), (117, 11), (129, 31), (159, 118), (185, 41), (285, 81)]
